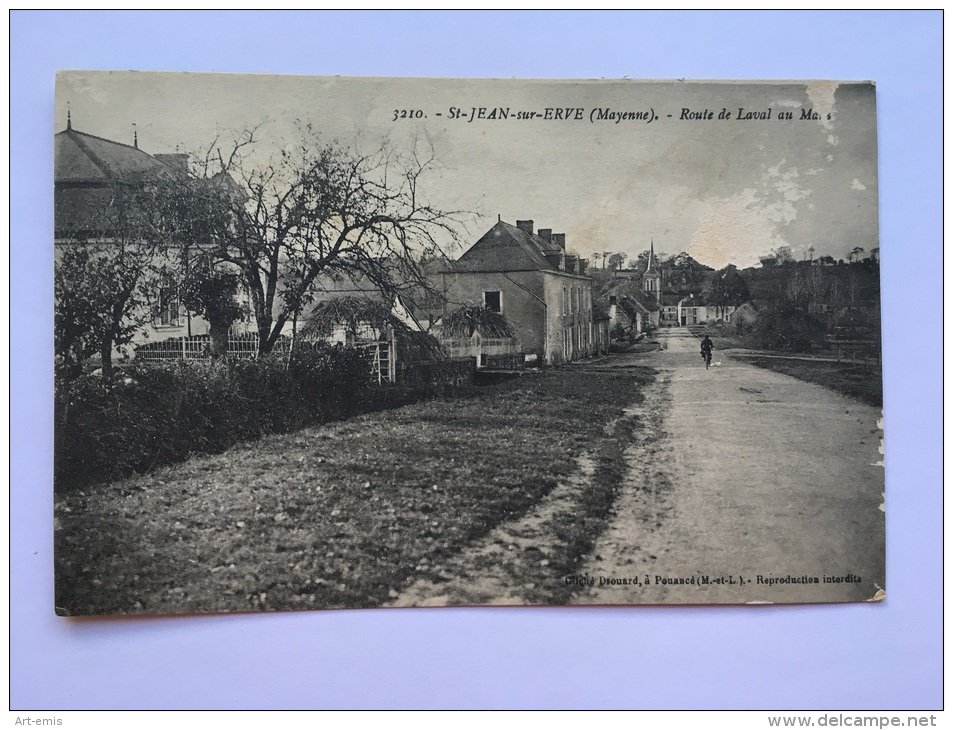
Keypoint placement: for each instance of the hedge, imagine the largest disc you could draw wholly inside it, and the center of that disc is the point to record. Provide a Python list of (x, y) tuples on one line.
[(161, 414)]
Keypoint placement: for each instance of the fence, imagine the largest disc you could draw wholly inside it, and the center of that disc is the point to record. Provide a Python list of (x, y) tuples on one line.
[(513, 361), (199, 347), (854, 350), (381, 356), (484, 350)]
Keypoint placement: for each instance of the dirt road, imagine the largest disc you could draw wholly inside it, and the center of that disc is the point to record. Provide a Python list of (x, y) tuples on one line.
[(740, 485), (759, 485)]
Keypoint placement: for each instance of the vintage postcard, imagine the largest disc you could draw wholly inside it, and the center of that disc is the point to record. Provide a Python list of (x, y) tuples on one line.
[(387, 342)]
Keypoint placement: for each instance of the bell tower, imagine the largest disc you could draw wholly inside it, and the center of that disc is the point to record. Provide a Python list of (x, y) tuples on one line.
[(652, 279)]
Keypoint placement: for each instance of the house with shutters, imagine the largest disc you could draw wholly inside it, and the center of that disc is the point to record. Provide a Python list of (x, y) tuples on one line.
[(531, 278)]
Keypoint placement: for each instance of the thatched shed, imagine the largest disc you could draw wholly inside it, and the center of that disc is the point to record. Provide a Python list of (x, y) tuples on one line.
[(463, 322), (480, 333), (361, 321)]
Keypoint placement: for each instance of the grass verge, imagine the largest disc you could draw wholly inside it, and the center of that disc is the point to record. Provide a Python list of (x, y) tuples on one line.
[(863, 382), (341, 515)]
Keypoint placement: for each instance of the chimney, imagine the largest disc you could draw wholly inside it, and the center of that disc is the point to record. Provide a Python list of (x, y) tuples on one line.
[(525, 226), (559, 239), (546, 234), (571, 261), (556, 259)]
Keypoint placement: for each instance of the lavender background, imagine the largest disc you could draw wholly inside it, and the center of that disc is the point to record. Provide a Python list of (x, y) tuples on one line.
[(886, 656)]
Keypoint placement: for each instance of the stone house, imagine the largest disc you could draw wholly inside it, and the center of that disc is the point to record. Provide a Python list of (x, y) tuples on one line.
[(694, 309), (529, 277)]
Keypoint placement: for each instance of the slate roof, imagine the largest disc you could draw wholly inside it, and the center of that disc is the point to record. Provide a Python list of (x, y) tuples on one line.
[(630, 307), (87, 170), (82, 209), (599, 314), (507, 248), (353, 287), (651, 268), (646, 301), (338, 285), (86, 158), (694, 300)]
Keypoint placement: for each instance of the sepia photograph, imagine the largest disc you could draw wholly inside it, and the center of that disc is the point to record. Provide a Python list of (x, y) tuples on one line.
[(343, 342)]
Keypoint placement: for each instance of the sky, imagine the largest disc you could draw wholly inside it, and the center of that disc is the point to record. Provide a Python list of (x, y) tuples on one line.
[(726, 190)]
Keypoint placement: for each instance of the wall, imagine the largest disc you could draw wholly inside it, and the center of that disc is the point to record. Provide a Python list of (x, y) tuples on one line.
[(522, 301), (570, 333), (532, 301)]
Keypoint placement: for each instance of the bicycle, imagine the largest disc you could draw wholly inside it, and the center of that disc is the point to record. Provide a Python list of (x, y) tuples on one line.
[(707, 356)]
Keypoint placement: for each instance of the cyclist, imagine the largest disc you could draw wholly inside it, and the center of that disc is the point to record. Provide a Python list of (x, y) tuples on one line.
[(707, 347)]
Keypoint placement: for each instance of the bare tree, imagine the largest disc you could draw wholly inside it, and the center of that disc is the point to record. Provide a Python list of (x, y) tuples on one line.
[(326, 208), (804, 287)]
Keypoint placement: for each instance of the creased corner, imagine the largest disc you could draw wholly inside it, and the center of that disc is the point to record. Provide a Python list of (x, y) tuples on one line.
[(880, 595)]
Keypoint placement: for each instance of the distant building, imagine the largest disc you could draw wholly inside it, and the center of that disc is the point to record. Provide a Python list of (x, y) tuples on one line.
[(743, 316), (669, 311), (540, 287), (694, 309), (634, 311)]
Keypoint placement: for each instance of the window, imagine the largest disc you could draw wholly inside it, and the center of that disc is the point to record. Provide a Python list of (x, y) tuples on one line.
[(167, 304), (565, 301), (492, 300)]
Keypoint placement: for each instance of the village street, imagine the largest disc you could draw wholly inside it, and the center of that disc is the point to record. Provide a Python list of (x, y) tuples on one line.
[(738, 472), (637, 478), (757, 474)]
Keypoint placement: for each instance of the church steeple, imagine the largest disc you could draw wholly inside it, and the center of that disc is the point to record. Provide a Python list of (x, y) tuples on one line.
[(651, 279)]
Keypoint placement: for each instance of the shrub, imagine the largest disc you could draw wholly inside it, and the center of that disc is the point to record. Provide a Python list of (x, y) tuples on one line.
[(789, 330), (161, 414)]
